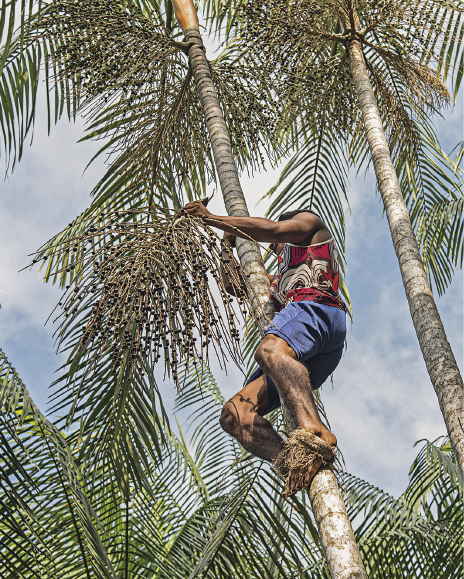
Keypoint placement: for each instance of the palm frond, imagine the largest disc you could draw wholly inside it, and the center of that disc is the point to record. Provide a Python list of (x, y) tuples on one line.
[(119, 65), (409, 533), (202, 398), (434, 479), (26, 56), (48, 524), (433, 187), (256, 533), (209, 510), (20, 63)]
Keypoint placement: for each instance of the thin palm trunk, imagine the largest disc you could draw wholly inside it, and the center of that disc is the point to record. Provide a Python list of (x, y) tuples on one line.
[(333, 525), (248, 251), (439, 359), (335, 532)]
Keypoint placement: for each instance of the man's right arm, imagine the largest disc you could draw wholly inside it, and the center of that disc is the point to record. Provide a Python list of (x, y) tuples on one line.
[(302, 227)]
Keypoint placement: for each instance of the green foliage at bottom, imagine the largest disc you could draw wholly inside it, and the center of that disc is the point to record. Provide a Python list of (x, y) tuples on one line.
[(206, 508)]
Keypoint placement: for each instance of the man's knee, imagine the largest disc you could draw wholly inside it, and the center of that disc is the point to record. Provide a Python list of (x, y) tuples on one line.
[(264, 354), (270, 350), (235, 420)]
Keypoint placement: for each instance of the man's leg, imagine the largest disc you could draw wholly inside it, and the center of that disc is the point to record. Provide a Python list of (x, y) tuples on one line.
[(278, 360), (242, 418)]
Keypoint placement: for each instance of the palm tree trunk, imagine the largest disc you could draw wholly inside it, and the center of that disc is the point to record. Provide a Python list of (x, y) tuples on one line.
[(335, 532), (248, 251), (439, 359), (334, 526)]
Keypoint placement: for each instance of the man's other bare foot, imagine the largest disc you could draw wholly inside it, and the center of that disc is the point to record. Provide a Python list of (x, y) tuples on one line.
[(300, 477)]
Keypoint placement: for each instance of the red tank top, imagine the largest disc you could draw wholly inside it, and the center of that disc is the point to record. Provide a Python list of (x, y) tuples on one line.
[(307, 274)]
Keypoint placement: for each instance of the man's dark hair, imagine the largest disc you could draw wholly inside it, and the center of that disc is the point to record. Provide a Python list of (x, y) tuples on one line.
[(290, 214)]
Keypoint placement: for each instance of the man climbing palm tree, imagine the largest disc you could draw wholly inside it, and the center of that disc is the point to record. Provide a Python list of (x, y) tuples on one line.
[(303, 344)]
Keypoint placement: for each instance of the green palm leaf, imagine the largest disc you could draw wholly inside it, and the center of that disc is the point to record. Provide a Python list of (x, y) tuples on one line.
[(121, 422), (208, 509), (24, 57), (48, 526)]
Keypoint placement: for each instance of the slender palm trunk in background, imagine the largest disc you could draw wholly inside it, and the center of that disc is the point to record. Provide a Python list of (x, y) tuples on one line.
[(335, 532), (438, 356)]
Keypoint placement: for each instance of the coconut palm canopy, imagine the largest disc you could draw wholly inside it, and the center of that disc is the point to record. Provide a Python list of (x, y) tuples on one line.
[(207, 509)]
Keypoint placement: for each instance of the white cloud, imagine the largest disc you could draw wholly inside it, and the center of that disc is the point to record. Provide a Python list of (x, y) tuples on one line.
[(46, 191)]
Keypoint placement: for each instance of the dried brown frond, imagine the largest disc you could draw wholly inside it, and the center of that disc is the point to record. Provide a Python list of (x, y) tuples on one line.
[(148, 288)]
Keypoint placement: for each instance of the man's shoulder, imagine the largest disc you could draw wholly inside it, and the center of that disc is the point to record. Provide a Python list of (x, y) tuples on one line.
[(311, 223), (310, 218)]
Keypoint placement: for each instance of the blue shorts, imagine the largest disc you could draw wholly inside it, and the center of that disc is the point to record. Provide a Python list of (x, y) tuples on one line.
[(316, 333)]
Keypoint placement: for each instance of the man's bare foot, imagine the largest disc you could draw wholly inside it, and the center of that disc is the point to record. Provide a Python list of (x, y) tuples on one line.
[(322, 432), (302, 455), (300, 477)]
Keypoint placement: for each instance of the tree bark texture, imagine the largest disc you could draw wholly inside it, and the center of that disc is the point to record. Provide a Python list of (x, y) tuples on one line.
[(439, 359), (333, 525)]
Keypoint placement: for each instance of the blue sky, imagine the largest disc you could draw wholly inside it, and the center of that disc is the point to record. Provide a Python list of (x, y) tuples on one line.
[(381, 400)]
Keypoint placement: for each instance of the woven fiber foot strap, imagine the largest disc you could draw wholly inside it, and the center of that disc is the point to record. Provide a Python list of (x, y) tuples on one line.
[(301, 451)]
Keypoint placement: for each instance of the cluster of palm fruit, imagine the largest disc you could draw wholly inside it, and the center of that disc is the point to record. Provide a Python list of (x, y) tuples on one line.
[(129, 75), (142, 283), (304, 42)]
